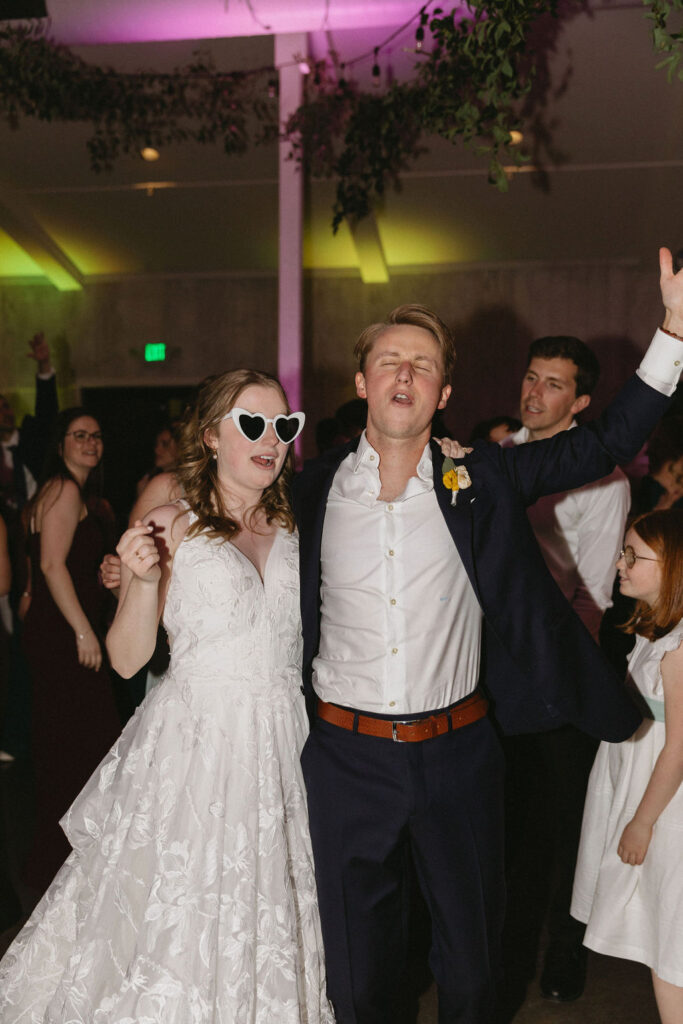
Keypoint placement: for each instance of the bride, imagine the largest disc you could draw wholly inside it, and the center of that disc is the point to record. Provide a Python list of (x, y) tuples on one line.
[(189, 895)]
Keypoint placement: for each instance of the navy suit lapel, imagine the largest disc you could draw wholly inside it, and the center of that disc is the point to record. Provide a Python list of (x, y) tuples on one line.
[(459, 516), (311, 507)]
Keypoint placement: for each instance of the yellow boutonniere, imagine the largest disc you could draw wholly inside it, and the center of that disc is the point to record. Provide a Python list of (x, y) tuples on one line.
[(455, 478)]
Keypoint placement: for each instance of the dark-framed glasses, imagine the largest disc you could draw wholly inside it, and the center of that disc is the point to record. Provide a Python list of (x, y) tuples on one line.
[(81, 436), (630, 557), (253, 425)]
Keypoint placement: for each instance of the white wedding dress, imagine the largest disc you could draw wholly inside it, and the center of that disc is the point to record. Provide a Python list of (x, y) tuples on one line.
[(189, 896)]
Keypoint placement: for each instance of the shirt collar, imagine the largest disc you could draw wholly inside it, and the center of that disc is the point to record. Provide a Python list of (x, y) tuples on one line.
[(367, 458)]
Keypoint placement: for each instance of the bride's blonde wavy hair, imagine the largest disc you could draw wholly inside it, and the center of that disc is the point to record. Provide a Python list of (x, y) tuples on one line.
[(197, 469)]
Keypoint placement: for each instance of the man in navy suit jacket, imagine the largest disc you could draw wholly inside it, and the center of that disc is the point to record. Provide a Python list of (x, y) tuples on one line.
[(421, 604)]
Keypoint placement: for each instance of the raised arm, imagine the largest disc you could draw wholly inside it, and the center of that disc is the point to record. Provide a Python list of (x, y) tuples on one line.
[(62, 507), (35, 430), (579, 456), (146, 551)]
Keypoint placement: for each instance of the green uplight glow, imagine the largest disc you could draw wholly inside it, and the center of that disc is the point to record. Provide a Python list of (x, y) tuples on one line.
[(155, 353)]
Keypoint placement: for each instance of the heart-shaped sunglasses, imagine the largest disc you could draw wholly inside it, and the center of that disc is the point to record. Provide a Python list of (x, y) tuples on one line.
[(253, 425)]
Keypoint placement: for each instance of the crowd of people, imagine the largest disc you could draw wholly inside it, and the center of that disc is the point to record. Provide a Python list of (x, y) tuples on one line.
[(374, 664)]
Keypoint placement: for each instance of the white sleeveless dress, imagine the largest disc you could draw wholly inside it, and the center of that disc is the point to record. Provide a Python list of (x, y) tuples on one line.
[(633, 911), (189, 896)]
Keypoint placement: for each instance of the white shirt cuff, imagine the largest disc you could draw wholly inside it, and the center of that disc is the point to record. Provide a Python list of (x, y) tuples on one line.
[(48, 375), (662, 363)]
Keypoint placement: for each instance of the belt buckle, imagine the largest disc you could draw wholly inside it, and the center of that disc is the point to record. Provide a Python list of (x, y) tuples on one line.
[(401, 721)]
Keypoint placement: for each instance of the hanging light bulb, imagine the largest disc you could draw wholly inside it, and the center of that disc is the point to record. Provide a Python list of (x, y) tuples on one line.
[(419, 38), (149, 153), (376, 71)]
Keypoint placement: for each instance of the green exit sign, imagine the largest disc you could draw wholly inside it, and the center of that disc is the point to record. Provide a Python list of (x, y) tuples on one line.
[(155, 353)]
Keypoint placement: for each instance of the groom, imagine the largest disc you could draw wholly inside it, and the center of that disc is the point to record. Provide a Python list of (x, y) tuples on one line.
[(418, 610)]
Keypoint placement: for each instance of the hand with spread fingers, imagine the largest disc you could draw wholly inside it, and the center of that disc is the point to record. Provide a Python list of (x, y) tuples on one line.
[(139, 553), (452, 449)]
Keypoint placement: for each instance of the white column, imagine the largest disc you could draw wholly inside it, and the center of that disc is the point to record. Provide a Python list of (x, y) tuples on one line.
[(290, 294)]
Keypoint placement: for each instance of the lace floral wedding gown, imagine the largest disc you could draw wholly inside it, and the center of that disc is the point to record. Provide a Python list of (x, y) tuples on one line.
[(189, 896)]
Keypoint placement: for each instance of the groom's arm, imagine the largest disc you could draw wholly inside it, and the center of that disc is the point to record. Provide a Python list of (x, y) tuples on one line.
[(573, 458)]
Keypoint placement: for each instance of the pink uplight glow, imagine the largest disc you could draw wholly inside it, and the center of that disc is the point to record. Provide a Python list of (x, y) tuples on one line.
[(82, 22)]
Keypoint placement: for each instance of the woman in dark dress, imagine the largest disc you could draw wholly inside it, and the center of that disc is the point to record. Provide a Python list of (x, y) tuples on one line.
[(74, 715)]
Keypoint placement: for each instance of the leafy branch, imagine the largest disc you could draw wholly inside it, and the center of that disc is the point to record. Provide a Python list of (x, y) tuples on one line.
[(469, 85), (128, 111), (664, 39)]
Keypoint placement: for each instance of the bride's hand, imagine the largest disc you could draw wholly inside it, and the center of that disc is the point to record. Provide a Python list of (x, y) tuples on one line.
[(452, 449), (139, 553)]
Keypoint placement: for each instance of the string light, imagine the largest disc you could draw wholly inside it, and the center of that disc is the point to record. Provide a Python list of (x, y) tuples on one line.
[(421, 14), (376, 72)]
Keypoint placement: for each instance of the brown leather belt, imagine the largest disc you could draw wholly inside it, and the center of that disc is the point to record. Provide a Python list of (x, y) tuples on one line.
[(406, 731)]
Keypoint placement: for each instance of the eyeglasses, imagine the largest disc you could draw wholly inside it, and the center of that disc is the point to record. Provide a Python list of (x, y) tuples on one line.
[(81, 436), (253, 425), (630, 557)]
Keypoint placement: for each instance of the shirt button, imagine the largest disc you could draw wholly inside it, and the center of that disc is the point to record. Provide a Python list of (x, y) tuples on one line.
[(372, 458), (390, 508), (392, 703), (393, 600), (394, 650), (391, 551), (677, 362)]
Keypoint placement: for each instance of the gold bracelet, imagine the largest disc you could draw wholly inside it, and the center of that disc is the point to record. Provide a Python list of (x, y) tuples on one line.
[(672, 334)]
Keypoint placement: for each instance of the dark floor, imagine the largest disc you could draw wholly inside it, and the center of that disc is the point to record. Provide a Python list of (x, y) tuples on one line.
[(617, 991)]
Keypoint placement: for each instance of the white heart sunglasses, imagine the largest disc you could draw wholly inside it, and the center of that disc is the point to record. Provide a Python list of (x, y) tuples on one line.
[(253, 425)]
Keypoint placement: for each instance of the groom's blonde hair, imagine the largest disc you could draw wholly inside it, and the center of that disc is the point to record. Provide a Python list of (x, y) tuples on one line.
[(415, 316)]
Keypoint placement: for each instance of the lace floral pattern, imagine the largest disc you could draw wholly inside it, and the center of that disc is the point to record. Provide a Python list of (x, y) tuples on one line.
[(189, 896)]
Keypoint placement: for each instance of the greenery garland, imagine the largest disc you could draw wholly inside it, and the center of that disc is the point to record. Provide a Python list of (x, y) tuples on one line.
[(198, 103), (472, 84)]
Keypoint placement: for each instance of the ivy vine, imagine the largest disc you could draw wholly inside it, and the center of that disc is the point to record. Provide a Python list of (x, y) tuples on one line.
[(470, 84)]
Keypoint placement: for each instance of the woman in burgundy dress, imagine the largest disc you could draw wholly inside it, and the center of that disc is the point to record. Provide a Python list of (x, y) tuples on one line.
[(74, 715)]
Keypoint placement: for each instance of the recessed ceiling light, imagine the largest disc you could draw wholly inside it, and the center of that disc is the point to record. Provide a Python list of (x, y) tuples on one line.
[(149, 153)]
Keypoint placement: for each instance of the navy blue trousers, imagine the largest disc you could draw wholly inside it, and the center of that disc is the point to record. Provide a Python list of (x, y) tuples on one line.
[(371, 802)]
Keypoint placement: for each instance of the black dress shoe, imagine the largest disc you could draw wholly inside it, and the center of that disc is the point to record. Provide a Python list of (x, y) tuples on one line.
[(564, 973)]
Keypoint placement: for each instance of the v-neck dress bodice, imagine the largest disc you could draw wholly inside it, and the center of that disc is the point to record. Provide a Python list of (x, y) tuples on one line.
[(220, 613)]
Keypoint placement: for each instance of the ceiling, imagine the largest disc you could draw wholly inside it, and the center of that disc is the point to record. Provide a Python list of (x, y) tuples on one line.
[(611, 191)]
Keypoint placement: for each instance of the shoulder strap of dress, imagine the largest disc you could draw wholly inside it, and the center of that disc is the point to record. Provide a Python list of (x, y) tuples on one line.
[(184, 506)]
